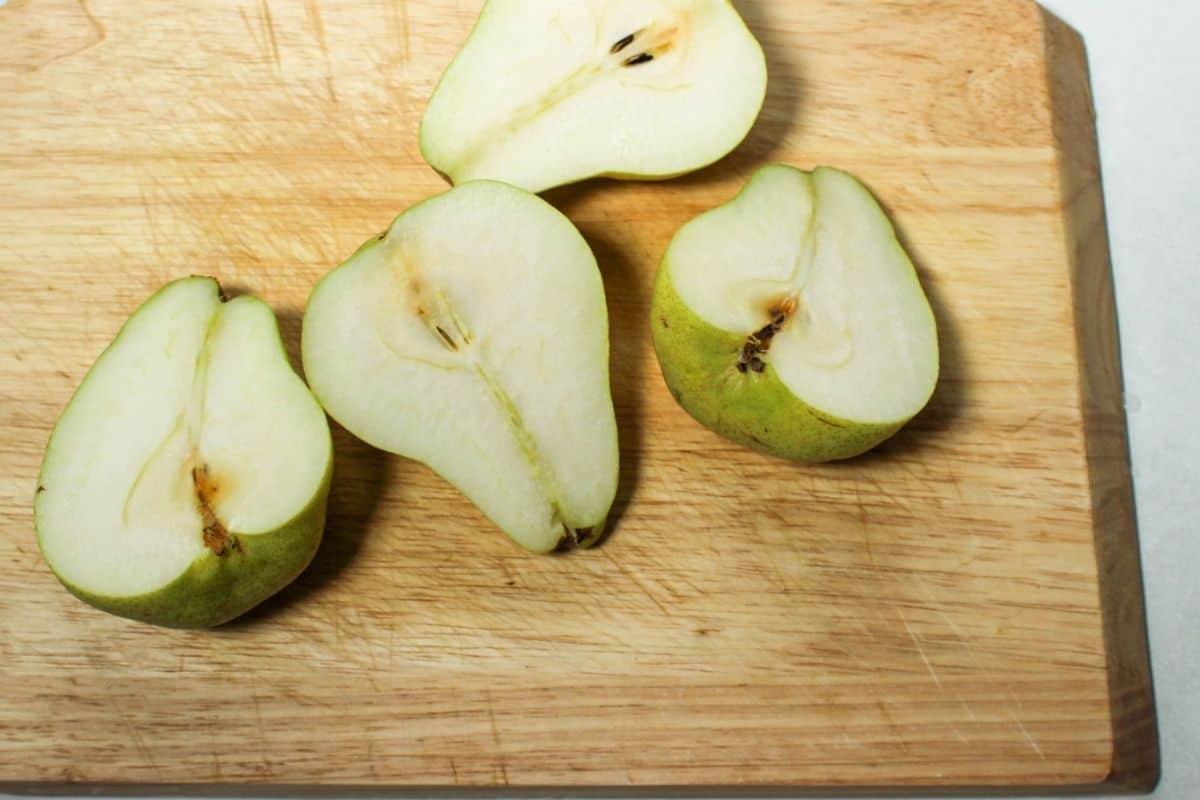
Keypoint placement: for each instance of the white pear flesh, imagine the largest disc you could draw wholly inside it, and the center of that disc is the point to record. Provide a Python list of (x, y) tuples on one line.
[(186, 481), (546, 93), (792, 320), (473, 336)]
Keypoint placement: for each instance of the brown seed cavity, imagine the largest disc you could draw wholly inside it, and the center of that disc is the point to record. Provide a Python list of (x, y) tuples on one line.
[(433, 309), (216, 537), (785, 307), (751, 358), (652, 42)]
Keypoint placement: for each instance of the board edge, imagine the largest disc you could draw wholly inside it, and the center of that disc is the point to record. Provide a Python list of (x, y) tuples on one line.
[(1135, 761)]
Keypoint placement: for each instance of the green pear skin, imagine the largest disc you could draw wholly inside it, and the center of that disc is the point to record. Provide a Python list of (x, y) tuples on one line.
[(753, 409), (216, 589), (700, 361)]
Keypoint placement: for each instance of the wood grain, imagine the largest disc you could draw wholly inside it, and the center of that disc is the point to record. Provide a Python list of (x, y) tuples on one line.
[(961, 609)]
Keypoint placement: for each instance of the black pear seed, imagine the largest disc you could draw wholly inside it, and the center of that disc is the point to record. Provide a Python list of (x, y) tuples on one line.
[(622, 44)]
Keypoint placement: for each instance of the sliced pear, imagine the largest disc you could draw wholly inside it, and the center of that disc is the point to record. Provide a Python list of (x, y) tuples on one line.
[(473, 336), (546, 92), (792, 320), (186, 481)]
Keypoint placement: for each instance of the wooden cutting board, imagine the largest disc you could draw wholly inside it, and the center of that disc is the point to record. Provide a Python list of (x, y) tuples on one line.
[(961, 609)]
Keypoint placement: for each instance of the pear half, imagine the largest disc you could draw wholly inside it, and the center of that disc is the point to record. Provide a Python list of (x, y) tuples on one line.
[(473, 336), (791, 319), (186, 481), (547, 92)]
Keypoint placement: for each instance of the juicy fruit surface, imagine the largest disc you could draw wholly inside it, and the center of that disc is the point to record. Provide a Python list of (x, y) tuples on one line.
[(546, 93), (473, 336), (190, 436), (796, 298)]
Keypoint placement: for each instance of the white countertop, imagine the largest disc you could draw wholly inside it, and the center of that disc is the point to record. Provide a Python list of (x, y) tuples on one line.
[(1145, 61)]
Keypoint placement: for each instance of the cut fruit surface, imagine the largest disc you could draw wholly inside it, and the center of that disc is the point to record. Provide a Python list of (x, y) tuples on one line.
[(546, 93), (473, 336), (190, 440), (798, 292)]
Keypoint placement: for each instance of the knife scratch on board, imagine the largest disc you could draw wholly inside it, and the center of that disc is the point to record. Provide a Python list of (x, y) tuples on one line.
[(920, 648), (99, 34), (264, 34), (312, 10), (400, 23), (1032, 742), (269, 25), (139, 741), (496, 739)]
